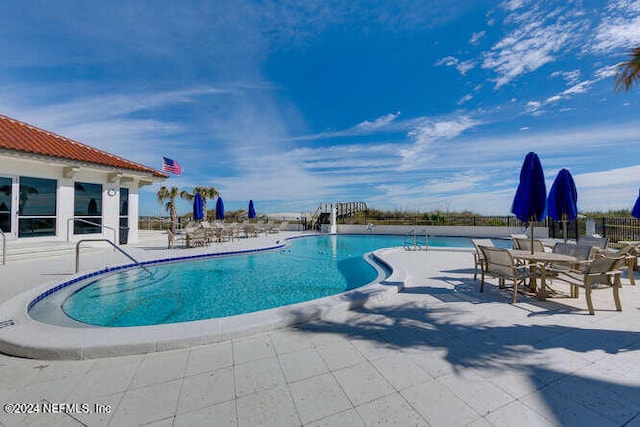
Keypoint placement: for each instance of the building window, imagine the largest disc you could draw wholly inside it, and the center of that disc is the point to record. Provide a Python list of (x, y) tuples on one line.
[(124, 207), (87, 208), (5, 204), (37, 207)]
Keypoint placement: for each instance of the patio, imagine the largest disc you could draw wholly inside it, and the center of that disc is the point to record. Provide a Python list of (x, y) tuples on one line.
[(439, 353)]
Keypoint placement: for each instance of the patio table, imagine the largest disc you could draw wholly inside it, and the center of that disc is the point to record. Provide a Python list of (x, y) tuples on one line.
[(542, 259)]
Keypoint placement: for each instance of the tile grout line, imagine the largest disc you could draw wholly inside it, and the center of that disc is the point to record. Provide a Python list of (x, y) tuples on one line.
[(286, 383)]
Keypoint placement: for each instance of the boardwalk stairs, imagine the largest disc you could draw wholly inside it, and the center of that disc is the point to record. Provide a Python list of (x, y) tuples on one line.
[(344, 210)]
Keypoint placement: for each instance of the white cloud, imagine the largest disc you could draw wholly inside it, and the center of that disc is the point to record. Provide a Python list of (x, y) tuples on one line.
[(537, 39), (449, 61), (571, 77), (512, 5), (619, 28), (465, 66), (533, 106), (380, 122), (475, 37), (463, 181), (608, 189), (427, 133), (577, 88), (468, 97), (606, 72), (452, 61)]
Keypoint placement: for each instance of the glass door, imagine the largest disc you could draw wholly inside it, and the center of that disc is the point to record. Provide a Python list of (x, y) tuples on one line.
[(7, 206)]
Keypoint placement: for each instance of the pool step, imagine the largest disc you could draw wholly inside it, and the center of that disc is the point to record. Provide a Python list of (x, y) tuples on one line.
[(21, 250)]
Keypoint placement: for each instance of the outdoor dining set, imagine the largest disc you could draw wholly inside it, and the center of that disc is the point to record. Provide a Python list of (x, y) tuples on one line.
[(537, 267), (203, 233)]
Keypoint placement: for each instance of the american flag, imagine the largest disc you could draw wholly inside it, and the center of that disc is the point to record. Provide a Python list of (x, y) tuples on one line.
[(169, 165)]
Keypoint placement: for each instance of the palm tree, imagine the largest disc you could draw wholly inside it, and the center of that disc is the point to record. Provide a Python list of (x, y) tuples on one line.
[(169, 195), (205, 192), (629, 71)]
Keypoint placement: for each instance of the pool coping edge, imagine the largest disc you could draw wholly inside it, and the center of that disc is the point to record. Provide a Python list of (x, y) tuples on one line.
[(26, 337)]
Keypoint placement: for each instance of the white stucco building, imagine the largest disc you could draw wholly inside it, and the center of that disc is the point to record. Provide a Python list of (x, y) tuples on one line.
[(54, 188)]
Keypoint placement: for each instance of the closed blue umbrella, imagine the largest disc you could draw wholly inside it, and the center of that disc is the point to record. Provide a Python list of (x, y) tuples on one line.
[(636, 208), (530, 201), (198, 207), (563, 200), (220, 209), (252, 210)]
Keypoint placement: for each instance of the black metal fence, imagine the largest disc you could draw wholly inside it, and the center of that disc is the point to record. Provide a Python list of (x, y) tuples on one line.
[(617, 229)]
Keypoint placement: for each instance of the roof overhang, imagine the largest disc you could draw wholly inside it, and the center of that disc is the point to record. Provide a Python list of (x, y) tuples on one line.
[(71, 167)]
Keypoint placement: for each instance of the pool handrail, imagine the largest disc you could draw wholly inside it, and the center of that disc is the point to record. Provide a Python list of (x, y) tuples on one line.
[(122, 251), (75, 218), (412, 234)]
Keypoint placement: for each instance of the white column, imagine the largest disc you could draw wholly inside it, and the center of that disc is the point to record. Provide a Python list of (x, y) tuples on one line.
[(333, 229), (64, 208), (110, 212), (133, 213)]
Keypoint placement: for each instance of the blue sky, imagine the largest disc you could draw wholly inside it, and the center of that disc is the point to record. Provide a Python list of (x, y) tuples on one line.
[(416, 105)]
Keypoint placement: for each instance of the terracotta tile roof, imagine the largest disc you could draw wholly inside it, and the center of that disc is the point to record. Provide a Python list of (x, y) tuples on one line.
[(22, 137)]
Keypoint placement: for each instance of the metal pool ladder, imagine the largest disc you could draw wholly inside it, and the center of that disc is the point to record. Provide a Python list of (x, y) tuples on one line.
[(112, 244), (413, 240)]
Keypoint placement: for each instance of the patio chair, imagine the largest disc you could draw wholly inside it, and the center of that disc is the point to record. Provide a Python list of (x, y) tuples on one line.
[(597, 242), (583, 253), (284, 225), (230, 232), (525, 244), (197, 237), (171, 237), (250, 230), (209, 231), (478, 256), (500, 264), (629, 256), (601, 273), (516, 236)]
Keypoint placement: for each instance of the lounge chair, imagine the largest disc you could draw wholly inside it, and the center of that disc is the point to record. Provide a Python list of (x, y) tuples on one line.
[(600, 273), (478, 256), (500, 264)]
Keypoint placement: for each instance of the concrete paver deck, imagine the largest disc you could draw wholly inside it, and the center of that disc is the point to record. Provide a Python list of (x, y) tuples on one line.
[(439, 353)]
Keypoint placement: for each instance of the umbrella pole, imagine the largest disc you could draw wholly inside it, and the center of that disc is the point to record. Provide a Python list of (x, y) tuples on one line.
[(532, 227), (564, 230)]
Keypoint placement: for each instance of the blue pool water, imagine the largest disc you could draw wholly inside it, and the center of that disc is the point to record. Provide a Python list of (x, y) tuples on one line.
[(310, 268)]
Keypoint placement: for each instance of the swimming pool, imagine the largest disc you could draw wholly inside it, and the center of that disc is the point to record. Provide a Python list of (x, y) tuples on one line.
[(306, 269)]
